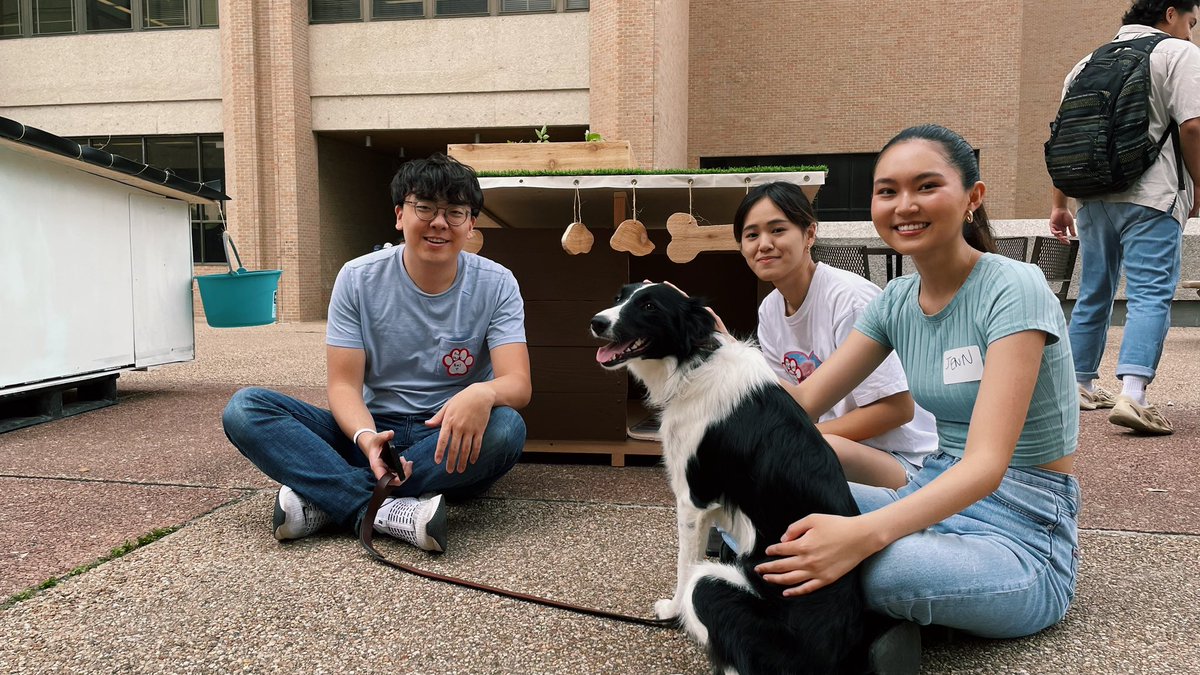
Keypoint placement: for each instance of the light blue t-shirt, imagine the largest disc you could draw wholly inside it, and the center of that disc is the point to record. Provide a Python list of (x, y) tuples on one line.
[(1000, 297), (422, 349)]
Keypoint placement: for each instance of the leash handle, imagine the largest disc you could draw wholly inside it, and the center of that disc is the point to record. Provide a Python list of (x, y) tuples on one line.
[(391, 457), (366, 532)]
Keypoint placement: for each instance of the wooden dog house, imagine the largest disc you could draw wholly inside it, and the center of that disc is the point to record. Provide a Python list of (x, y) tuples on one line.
[(577, 406)]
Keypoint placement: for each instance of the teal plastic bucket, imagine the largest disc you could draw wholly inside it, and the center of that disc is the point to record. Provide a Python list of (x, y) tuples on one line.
[(238, 298)]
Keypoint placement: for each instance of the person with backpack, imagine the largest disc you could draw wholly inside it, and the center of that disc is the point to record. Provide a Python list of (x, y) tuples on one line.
[(1126, 146)]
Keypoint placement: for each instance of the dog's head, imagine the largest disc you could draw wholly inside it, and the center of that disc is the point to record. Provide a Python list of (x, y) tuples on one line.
[(652, 321)]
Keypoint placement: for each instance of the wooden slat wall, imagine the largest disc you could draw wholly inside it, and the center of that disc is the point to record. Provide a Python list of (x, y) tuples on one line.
[(573, 397), (721, 277)]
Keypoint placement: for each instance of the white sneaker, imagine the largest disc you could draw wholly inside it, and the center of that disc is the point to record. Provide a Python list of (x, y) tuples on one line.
[(295, 516), (420, 522)]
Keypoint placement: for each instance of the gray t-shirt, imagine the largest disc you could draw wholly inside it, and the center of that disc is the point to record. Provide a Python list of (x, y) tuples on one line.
[(422, 349)]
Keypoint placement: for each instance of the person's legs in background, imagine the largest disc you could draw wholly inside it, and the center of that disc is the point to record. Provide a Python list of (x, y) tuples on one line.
[(1100, 249), (1152, 242)]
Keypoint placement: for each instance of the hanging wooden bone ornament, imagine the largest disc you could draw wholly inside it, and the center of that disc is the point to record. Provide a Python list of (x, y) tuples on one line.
[(631, 234), (577, 239), (689, 238)]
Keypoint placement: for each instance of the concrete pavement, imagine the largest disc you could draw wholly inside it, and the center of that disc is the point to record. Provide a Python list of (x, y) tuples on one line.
[(220, 595)]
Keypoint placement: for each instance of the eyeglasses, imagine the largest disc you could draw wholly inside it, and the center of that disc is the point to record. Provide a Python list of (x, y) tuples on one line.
[(455, 215)]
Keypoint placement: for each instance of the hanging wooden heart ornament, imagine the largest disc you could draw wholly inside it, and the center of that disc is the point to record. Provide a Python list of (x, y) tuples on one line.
[(577, 239), (631, 236)]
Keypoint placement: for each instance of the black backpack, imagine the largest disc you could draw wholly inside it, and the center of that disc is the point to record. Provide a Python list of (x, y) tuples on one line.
[(1099, 141)]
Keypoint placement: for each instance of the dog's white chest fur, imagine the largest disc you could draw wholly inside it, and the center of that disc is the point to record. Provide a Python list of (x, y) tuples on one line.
[(692, 398)]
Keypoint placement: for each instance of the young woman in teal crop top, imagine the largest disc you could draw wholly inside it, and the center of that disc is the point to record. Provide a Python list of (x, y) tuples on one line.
[(984, 537)]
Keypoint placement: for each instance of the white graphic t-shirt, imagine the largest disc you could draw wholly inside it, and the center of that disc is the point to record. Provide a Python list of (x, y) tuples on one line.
[(796, 345)]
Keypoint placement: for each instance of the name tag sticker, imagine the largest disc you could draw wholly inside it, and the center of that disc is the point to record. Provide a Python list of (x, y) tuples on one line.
[(964, 364)]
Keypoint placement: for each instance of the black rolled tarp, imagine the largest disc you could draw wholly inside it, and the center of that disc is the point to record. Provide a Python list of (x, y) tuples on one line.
[(44, 140)]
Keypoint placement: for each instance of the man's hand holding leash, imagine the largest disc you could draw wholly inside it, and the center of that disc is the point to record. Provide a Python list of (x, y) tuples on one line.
[(373, 445)]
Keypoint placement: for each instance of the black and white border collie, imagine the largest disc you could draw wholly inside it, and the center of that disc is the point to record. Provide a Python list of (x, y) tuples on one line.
[(739, 453)]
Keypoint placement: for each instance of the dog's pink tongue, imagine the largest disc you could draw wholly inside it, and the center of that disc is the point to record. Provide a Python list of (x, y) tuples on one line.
[(610, 351)]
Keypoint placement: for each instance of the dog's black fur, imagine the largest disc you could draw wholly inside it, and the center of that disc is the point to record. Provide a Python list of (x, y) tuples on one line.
[(741, 453)]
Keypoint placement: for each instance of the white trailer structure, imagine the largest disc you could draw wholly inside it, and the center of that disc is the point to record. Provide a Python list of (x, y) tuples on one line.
[(95, 273)]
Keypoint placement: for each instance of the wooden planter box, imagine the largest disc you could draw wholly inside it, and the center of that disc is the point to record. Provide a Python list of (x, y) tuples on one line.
[(568, 156)]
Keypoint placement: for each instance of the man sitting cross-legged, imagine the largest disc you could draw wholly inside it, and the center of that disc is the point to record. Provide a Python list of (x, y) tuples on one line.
[(426, 350)]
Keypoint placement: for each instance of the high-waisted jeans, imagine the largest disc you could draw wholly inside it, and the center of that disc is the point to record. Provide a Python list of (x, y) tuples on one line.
[(1003, 567)]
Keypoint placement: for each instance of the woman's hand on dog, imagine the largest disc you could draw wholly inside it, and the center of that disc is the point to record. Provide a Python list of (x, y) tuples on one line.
[(816, 551), (372, 446), (720, 324)]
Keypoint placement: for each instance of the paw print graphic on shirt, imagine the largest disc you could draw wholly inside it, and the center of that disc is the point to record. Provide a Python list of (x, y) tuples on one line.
[(800, 365), (458, 362)]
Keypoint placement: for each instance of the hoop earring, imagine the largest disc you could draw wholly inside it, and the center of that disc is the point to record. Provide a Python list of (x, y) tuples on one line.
[(970, 216)]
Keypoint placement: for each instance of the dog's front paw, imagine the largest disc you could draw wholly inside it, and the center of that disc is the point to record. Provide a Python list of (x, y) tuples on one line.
[(666, 609)]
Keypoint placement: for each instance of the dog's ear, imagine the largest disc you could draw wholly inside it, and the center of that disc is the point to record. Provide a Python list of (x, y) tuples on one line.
[(698, 323)]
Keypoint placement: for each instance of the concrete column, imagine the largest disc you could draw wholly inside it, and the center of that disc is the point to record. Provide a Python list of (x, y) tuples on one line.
[(270, 150), (639, 77)]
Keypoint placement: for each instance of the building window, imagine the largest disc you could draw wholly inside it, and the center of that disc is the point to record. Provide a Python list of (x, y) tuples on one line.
[(51, 17), (398, 9), (320, 11), (208, 13), (334, 11), (164, 13), (460, 7), (31, 18), (846, 194), (10, 18), (109, 15), (515, 6), (196, 158)]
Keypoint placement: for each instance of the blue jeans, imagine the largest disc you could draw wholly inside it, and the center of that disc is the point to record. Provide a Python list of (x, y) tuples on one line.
[(301, 446), (1003, 567), (1148, 242)]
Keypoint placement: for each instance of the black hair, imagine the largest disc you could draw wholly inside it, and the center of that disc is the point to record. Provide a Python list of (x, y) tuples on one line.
[(439, 178), (1153, 12), (959, 153), (787, 196)]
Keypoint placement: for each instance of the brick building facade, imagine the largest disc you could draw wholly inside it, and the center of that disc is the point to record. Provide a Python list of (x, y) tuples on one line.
[(315, 116)]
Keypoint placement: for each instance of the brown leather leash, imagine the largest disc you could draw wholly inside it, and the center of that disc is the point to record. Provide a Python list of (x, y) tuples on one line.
[(366, 532)]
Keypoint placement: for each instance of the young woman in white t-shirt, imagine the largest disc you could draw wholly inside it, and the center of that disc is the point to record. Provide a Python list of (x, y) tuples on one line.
[(879, 434)]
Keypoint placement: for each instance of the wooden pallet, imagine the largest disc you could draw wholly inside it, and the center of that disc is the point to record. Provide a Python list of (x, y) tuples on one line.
[(618, 450), (56, 402)]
